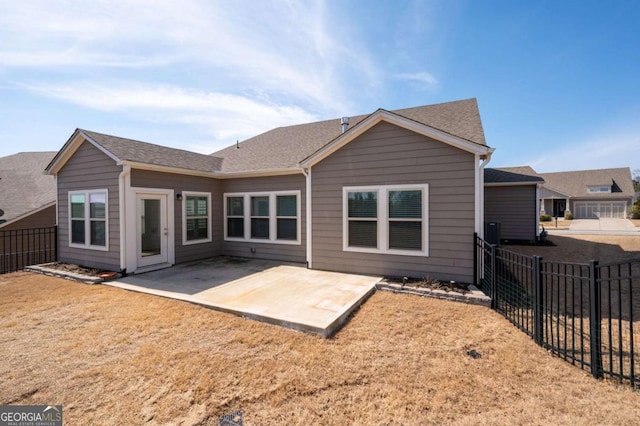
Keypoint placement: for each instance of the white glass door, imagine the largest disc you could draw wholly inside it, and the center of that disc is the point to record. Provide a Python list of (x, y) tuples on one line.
[(153, 235)]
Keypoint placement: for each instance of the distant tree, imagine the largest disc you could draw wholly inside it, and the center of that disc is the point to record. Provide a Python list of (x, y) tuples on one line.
[(636, 180)]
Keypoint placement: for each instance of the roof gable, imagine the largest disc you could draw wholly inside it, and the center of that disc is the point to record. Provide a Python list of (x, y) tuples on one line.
[(398, 120), (287, 147), (24, 188), (136, 153)]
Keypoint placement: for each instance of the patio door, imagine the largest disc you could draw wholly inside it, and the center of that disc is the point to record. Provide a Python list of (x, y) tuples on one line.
[(152, 229)]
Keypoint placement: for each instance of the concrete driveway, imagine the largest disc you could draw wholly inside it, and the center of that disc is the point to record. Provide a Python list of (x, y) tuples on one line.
[(289, 295), (602, 226)]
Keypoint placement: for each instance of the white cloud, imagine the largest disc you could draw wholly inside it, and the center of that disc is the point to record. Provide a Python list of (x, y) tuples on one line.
[(225, 70), (424, 79), (226, 117), (287, 48)]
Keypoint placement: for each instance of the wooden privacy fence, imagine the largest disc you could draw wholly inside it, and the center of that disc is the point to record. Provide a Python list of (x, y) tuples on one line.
[(24, 247), (586, 313)]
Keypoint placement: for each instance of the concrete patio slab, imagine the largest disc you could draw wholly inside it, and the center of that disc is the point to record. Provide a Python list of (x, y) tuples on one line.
[(288, 295)]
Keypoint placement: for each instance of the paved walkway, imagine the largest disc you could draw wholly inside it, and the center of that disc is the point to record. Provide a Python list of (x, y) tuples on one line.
[(599, 227), (289, 295)]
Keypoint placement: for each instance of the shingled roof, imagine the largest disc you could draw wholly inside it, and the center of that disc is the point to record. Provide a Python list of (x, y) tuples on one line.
[(576, 183), (506, 175), (157, 155), (24, 188), (285, 147)]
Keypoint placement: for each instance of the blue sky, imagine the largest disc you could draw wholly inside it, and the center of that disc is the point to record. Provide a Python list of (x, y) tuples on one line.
[(557, 82)]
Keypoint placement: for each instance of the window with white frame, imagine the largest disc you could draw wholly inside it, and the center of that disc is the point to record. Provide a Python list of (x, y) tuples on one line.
[(235, 217), (263, 217), (287, 217), (260, 217), (88, 219), (386, 219), (196, 217), (596, 189)]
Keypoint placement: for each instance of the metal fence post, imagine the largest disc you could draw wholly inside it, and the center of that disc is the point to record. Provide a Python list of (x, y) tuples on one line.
[(595, 319), (493, 276), (475, 259), (55, 243), (538, 322)]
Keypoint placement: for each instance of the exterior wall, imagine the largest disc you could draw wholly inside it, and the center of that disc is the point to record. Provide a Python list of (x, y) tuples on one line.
[(387, 155), (45, 218), (89, 168), (181, 183), (282, 252), (514, 207)]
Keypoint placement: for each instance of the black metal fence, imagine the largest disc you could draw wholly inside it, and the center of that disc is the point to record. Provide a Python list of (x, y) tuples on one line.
[(585, 313), (24, 247)]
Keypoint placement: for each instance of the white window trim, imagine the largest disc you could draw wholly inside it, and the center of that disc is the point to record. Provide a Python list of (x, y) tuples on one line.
[(272, 217), (87, 219), (383, 219), (186, 194)]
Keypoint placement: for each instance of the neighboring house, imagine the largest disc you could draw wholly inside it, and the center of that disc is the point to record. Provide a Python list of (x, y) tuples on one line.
[(27, 195), (587, 194), (394, 193), (511, 204)]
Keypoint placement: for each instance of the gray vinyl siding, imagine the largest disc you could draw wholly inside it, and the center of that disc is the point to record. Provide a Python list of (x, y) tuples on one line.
[(89, 168), (388, 155), (281, 252), (45, 218), (181, 183), (514, 207)]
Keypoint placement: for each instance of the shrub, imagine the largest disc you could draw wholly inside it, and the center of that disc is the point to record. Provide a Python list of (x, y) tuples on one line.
[(545, 218), (568, 216), (634, 212)]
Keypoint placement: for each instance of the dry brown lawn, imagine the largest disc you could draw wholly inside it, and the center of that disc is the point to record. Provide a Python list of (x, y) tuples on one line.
[(115, 357), (583, 248)]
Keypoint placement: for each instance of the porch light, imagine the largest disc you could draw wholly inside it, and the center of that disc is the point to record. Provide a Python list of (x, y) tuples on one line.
[(179, 197)]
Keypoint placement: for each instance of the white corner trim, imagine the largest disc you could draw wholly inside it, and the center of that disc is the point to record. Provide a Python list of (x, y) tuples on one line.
[(124, 183), (479, 195), (309, 215)]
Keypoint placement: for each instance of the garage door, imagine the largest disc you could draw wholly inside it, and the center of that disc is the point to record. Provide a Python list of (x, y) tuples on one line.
[(590, 210)]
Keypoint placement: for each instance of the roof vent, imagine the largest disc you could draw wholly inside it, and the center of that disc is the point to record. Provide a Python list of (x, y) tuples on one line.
[(344, 122)]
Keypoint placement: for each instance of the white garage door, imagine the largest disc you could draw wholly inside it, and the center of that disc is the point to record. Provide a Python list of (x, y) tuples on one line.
[(590, 210)]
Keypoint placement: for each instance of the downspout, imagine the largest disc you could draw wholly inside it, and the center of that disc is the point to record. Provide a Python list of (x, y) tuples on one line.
[(307, 174), (57, 231), (122, 188), (538, 186), (480, 194), (55, 178)]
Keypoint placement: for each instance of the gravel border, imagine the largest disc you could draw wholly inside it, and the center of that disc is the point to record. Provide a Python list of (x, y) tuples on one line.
[(473, 297)]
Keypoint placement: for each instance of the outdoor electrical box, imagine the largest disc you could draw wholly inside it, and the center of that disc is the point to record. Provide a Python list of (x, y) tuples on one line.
[(492, 232)]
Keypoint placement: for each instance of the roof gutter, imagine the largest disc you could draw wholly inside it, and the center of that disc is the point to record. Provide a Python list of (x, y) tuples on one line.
[(524, 183)]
